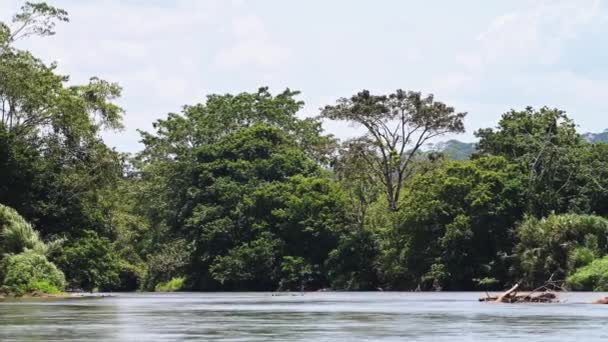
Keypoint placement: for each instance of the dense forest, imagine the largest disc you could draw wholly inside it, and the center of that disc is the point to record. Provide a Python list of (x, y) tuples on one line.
[(240, 193)]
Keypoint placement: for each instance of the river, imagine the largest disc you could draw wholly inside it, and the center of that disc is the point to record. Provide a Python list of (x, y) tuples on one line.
[(329, 316)]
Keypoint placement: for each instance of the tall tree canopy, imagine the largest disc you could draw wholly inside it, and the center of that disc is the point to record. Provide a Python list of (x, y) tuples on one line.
[(55, 169), (455, 228), (397, 126), (239, 192), (558, 161)]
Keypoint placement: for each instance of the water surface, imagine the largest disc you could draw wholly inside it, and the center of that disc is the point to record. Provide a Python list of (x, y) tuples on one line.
[(330, 316)]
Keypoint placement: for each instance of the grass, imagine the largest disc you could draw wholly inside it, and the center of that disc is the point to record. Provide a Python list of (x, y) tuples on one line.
[(173, 285)]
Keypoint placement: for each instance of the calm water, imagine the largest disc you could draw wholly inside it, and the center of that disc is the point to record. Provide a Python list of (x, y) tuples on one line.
[(310, 317)]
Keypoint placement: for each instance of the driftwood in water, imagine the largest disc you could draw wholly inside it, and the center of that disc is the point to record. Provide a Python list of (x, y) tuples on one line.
[(543, 294), (507, 296)]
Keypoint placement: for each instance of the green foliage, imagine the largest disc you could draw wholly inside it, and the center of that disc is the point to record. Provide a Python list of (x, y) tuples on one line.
[(593, 277), (352, 265), (5, 34), (357, 179), (546, 143), (239, 193), (397, 125), (552, 246), (90, 263), (581, 256), (168, 262), (487, 282), (28, 272), (17, 235), (528, 133), (53, 163), (36, 18), (455, 226), (295, 273), (436, 277), (251, 264), (173, 285), (248, 195), (221, 115), (43, 287)]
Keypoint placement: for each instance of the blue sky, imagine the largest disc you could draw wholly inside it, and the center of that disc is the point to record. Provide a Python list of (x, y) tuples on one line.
[(483, 57)]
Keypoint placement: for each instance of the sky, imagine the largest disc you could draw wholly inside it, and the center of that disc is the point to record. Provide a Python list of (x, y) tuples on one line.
[(482, 57)]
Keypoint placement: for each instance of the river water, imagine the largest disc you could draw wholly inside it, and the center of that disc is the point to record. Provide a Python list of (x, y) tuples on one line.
[(329, 316)]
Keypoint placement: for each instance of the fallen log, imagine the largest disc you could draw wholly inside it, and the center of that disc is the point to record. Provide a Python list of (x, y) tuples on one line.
[(507, 295), (511, 296), (545, 297)]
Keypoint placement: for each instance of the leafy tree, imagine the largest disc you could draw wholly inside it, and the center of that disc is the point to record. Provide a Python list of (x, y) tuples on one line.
[(22, 273), (587, 187), (168, 262), (250, 198), (52, 160), (252, 263), (548, 247), (183, 143), (357, 179), (353, 264), (593, 277), (295, 273), (545, 141), (35, 18), (455, 226), (17, 235), (177, 136), (90, 262), (398, 125)]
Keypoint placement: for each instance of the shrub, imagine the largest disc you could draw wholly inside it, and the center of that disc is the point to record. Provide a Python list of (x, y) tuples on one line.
[(352, 265), (557, 244), (295, 272), (593, 277), (175, 284), (43, 286), (91, 262), (248, 266), (580, 257), (16, 234), (30, 271), (168, 262)]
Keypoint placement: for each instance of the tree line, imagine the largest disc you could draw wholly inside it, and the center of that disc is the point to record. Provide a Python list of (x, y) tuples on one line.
[(239, 193)]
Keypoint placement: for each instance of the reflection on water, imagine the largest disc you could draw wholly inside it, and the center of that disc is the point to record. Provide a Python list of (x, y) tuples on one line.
[(310, 317)]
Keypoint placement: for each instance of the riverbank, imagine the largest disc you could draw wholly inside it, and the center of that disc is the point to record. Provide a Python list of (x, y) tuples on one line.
[(63, 295)]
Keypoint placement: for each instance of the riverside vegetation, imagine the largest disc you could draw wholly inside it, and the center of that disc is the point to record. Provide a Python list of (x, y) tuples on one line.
[(238, 193)]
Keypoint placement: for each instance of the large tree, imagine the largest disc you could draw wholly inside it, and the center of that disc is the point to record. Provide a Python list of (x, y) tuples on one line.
[(397, 125), (172, 152), (250, 200), (52, 160), (563, 171), (176, 136), (455, 227), (55, 169)]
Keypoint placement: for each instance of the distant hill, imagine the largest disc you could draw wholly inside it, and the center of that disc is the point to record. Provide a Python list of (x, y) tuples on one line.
[(597, 137), (455, 149), (459, 150)]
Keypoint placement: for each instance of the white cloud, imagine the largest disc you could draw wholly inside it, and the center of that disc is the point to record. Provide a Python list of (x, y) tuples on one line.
[(480, 58), (252, 46), (530, 36)]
